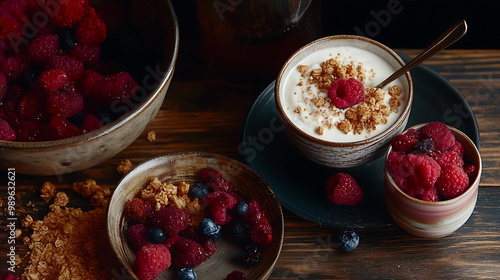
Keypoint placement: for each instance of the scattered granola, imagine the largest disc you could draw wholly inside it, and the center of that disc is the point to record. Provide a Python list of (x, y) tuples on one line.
[(99, 196), (48, 191), (152, 136), (124, 167)]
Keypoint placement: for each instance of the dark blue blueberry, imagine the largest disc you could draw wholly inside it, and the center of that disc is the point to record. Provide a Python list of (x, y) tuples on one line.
[(106, 117), (240, 230), (348, 240), (210, 229), (251, 254), (242, 208), (198, 190), (30, 77), (77, 119), (155, 235), (425, 146), (66, 39), (186, 273)]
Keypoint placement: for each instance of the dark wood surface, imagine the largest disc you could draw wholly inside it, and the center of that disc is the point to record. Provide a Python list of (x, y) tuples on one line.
[(202, 113)]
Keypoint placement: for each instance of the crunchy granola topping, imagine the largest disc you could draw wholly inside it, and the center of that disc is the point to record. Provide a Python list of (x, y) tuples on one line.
[(151, 136), (99, 196), (124, 167), (48, 191), (61, 199)]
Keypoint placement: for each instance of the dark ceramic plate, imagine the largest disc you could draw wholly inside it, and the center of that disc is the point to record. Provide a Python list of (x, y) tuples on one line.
[(299, 183)]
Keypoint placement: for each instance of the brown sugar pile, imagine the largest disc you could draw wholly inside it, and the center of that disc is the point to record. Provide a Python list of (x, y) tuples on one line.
[(70, 243)]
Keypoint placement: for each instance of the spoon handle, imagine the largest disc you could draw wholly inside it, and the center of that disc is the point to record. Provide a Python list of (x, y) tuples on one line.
[(449, 37)]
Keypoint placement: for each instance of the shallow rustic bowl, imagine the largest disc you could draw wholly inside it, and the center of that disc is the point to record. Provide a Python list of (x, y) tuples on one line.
[(178, 167), (157, 22), (343, 154), (434, 219)]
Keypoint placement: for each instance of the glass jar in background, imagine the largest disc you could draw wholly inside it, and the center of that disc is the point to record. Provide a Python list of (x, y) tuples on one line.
[(247, 41)]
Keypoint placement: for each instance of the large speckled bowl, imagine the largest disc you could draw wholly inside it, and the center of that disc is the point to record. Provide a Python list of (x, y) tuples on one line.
[(434, 219), (157, 23), (177, 167), (330, 152)]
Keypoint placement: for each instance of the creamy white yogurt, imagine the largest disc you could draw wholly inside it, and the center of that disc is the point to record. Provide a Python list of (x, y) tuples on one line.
[(296, 93)]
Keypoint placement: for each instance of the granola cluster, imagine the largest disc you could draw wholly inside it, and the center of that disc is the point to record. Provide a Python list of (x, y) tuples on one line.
[(364, 116)]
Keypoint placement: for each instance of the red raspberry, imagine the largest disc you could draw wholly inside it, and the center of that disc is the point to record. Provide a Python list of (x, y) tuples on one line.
[(471, 171), (260, 229), (214, 180), (30, 131), (209, 175), (64, 104), (12, 97), (171, 220), (8, 26), (220, 204), (440, 134), (450, 157), (90, 123), (236, 275), (31, 106), (452, 182), (91, 30), (52, 80), (3, 86), (72, 66), (10, 116), (117, 87), (413, 133), (14, 7), (209, 246), (423, 173), (10, 276), (6, 132), (88, 82), (89, 54), (43, 47), (458, 148), (151, 261), (69, 12), (346, 93), (14, 66), (137, 236), (187, 253), (60, 128), (341, 188), (137, 211), (403, 143), (170, 241), (431, 195)]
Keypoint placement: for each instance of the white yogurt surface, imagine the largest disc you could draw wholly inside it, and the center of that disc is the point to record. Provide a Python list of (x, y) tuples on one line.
[(293, 95)]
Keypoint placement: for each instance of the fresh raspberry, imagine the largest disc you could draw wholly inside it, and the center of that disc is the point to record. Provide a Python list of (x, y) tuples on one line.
[(30, 131), (3, 86), (450, 157), (187, 253), (260, 229), (12, 97), (69, 12), (64, 104), (209, 246), (14, 7), (452, 182), (209, 175), (117, 87), (32, 106), (6, 132), (60, 128), (88, 54), (171, 220), (345, 93), (393, 161), (413, 133), (72, 66), (90, 123), (220, 204), (220, 185), (471, 171), (403, 143), (91, 30), (191, 233), (43, 47), (341, 188), (423, 171), (440, 134), (52, 80), (10, 116), (10, 276), (236, 275), (14, 66), (137, 236), (457, 148), (137, 211), (151, 261), (170, 241), (430, 195), (88, 81), (8, 26)]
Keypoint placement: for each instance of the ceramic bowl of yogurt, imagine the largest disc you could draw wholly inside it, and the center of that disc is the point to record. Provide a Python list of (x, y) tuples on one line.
[(342, 137)]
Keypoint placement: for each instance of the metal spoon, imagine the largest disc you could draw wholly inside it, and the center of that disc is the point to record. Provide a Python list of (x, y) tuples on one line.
[(449, 37)]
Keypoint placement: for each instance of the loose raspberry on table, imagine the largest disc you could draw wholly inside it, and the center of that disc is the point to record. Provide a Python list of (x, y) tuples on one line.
[(236, 275), (60, 128), (137, 211), (187, 253), (345, 93), (151, 261), (449, 157), (43, 47), (171, 220), (440, 134), (72, 66), (452, 182), (64, 104), (6, 131), (341, 188), (220, 205), (403, 143), (92, 29), (137, 236), (52, 80)]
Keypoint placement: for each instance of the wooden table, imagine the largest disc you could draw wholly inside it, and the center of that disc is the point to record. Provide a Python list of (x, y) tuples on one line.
[(202, 113)]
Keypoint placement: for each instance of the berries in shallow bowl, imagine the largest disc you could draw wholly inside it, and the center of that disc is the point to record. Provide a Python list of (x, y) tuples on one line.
[(229, 253), (58, 120), (432, 176)]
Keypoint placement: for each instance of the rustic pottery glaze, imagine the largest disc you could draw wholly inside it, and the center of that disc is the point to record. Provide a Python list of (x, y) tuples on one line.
[(346, 154)]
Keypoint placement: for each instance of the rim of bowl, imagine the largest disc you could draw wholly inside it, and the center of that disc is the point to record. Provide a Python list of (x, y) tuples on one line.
[(377, 137), (116, 124), (245, 167), (441, 202)]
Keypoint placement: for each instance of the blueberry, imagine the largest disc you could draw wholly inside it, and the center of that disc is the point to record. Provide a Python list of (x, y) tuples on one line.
[(186, 273), (425, 146), (348, 240), (66, 39), (251, 254), (30, 77), (155, 235), (242, 208), (198, 190), (240, 230), (77, 119), (210, 229)]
